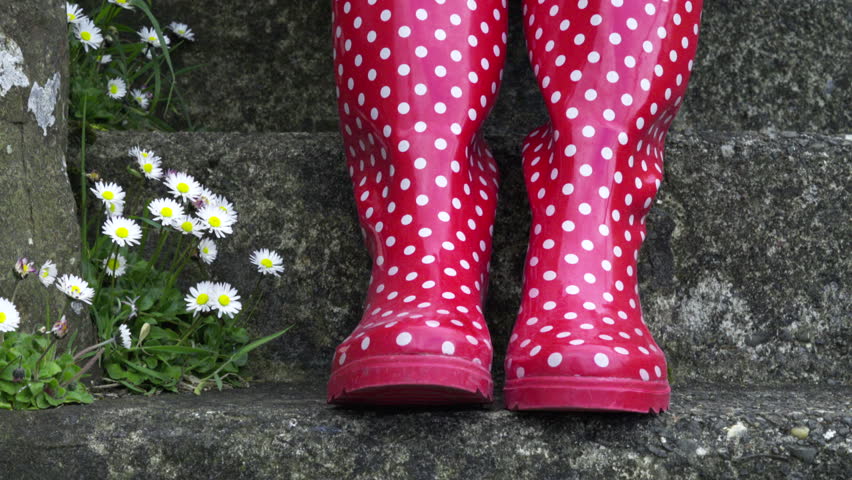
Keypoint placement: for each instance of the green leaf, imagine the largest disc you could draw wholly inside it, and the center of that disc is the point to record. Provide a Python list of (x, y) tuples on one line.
[(147, 11), (49, 369), (115, 371), (36, 388), (179, 349)]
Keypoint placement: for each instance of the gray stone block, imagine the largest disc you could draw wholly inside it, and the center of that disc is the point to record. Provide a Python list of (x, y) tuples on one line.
[(287, 431), (38, 219), (762, 64), (745, 274)]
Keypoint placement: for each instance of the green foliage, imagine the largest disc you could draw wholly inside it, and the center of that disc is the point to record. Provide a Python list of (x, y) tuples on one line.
[(44, 379), (174, 349), (154, 77)]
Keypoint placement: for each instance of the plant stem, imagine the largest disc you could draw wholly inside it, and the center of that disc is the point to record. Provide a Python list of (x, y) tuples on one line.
[(85, 368), (15, 291), (190, 330), (83, 184), (37, 370), (89, 349)]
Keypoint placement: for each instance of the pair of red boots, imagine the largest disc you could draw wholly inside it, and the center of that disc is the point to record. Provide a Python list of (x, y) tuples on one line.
[(415, 81)]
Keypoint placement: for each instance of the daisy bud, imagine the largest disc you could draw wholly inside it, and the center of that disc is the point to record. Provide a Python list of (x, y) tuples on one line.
[(143, 332), (93, 176), (18, 374), (42, 329)]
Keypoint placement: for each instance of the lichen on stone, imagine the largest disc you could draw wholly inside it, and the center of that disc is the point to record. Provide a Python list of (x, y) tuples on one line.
[(43, 101), (11, 73)]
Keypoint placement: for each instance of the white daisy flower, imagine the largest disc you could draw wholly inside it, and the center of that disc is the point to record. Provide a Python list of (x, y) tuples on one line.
[(182, 186), (104, 59), (115, 209), (115, 265), (74, 12), (151, 168), (182, 30), (149, 36), (166, 210), (189, 226), (76, 288), (88, 34), (123, 231), (108, 192), (140, 98), (148, 162), (268, 262), (207, 250), (9, 316), (217, 221), (124, 334), (224, 205), (125, 4), (226, 300), (116, 88), (24, 267), (201, 298), (47, 273)]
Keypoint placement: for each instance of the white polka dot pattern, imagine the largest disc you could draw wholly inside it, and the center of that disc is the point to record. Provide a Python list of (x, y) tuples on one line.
[(414, 85), (615, 74)]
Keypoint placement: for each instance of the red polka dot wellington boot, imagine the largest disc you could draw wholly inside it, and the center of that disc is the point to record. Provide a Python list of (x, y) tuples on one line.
[(415, 81), (613, 74)]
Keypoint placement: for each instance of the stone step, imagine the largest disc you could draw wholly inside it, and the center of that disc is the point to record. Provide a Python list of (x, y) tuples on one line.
[(287, 431), (762, 64), (745, 275)]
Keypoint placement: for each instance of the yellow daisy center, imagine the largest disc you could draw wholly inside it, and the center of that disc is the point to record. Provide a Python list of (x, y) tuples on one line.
[(186, 226), (182, 187), (45, 274), (166, 212), (76, 289), (2, 317), (86, 36), (205, 250), (181, 31), (214, 222), (122, 232), (202, 299), (148, 168), (113, 264), (152, 39), (224, 300), (121, 1), (108, 195), (266, 263), (113, 89), (72, 17)]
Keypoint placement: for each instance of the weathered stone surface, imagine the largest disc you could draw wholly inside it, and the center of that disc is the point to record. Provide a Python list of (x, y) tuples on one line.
[(762, 64), (745, 273), (287, 431), (36, 206)]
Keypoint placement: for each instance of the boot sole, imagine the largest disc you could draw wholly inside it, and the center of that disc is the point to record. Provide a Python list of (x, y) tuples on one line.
[(410, 380), (601, 394)]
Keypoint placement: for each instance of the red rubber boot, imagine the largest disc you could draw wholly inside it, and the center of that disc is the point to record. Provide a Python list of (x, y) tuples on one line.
[(613, 74), (415, 82)]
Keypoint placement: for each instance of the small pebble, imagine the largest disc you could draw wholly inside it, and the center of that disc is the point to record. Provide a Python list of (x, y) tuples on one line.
[(800, 432)]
